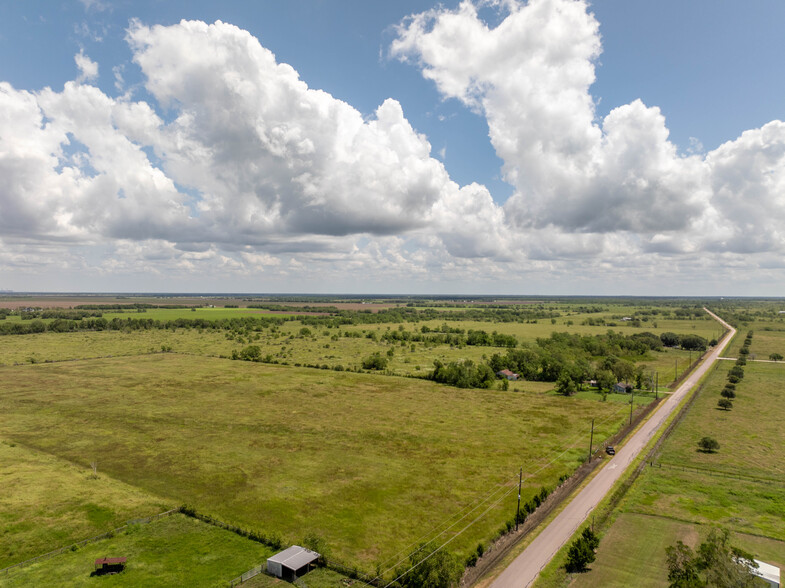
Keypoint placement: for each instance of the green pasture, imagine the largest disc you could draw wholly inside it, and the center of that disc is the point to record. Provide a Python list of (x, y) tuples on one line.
[(686, 492), (741, 487), (173, 551), (632, 553), (768, 337), (368, 463), (322, 346), (47, 502)]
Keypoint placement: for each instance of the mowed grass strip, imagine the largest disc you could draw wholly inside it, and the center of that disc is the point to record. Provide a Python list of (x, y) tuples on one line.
[(369, 463), (173, 551), (47, 503)]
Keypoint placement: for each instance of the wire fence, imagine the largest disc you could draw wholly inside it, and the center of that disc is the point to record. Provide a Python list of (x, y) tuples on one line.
[(717, 473), (247, 575), (75, 546)]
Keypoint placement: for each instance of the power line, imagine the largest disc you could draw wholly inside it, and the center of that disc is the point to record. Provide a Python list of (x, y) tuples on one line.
[(570, 447)]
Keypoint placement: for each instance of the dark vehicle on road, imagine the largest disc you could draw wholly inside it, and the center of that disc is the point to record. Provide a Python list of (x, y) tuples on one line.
[(610, 450)]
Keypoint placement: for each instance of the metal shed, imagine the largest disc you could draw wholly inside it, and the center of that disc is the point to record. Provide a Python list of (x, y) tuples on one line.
[(291, 563)]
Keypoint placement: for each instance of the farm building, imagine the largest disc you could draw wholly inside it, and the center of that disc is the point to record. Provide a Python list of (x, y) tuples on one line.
[(507, 374), (109, 565), (621, 388), (768, 573), (292, 563)]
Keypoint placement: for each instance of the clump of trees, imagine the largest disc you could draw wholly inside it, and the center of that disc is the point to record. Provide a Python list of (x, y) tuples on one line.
[(581, 552), (428, 568), (716, 563), (689, 342), (463, 374)]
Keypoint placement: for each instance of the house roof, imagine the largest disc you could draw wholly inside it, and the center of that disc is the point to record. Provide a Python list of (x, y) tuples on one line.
[(506, 373), (294, 557)]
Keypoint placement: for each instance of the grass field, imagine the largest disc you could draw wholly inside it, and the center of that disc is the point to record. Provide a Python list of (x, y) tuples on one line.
[(47, 503), (173, 551), (368, 463), (632, 553), (741, 487), (324, 347)]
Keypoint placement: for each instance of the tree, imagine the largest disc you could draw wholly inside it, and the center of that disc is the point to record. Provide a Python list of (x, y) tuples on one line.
[(708, 445), (728, 393), (669, 339), (716, 564), (682, 567), (693, 342), (775, 357), (725, 403), (605, 379), (623, 370), (430, 569), (737, 371), (581, 552), (565, 385)]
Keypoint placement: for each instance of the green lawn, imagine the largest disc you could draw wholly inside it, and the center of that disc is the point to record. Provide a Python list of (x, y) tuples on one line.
[(369, 463), (173, 551)]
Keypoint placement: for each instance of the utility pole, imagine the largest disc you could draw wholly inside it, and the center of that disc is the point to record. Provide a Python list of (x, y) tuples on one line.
[(518, 510), (676, 372), (632, 400), (591, 439)]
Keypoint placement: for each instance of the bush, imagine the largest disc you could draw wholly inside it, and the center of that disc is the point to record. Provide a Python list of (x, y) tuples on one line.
[(375, 362), (775, 357)]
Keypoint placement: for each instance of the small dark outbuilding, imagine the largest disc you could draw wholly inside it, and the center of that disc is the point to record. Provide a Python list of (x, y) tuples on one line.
[(292, 563), (109, 565)]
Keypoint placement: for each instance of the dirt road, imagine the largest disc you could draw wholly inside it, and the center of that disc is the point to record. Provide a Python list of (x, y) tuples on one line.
[(527, 566)]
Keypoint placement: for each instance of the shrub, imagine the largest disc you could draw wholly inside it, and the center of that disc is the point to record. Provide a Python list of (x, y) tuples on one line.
[(375, 362)]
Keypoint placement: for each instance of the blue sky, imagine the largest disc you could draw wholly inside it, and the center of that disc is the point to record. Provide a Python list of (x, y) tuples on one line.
[(713, 69)]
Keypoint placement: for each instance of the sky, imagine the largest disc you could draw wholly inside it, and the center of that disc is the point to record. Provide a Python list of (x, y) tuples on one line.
[(559, 147)]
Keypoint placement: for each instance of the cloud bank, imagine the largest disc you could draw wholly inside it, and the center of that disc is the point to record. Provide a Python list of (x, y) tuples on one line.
[(234, 166)]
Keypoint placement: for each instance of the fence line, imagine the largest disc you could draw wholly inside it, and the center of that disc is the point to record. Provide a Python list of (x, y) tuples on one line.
[(737, 476), (84, 542)]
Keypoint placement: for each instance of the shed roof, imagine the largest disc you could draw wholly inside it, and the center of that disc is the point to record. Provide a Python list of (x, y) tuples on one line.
[(294, 557), (767, 571), (110, 561)]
